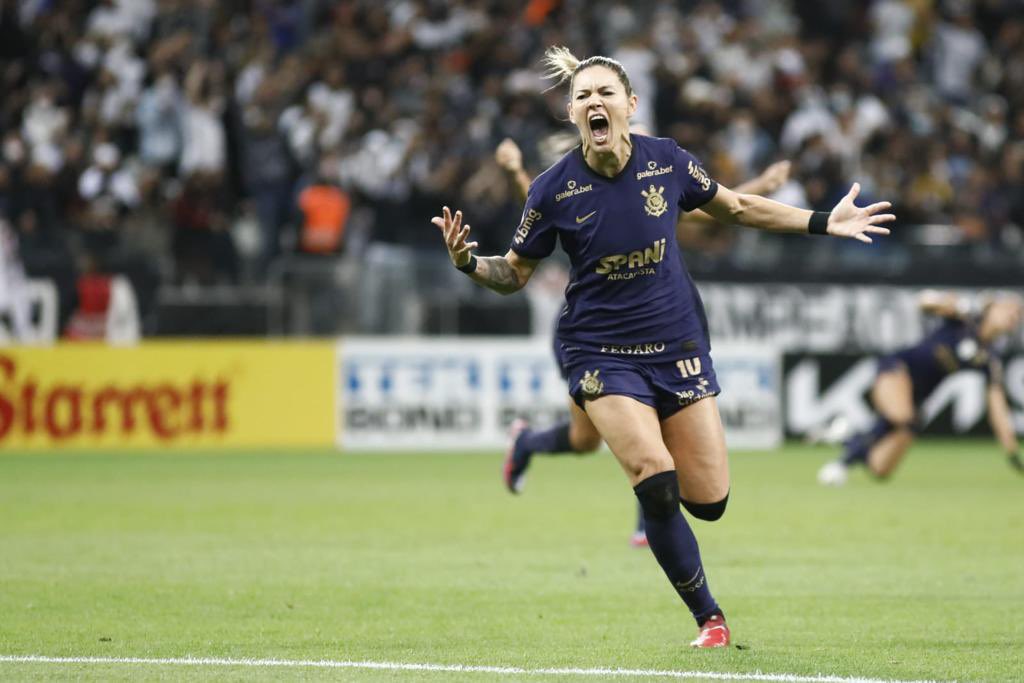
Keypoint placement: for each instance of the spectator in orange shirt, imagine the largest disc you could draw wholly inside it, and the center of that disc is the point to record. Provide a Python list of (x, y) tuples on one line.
[(325, 209)]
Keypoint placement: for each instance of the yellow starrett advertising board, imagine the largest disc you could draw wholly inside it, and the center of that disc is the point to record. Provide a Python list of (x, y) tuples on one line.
[(176, 394)]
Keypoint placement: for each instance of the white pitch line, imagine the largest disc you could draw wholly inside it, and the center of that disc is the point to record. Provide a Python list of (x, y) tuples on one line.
[(447, 668)]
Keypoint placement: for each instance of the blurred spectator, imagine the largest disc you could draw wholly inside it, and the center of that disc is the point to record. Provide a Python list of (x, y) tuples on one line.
[(106, 309), (958, 48), (109, 190), (205, 147), (204, 252), (15, 313), (159, 117), (267, 169), (325, 210), (44, 122)]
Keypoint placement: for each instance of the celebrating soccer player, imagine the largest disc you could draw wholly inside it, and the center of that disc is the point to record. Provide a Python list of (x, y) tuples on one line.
[(633, 338), (578, 434), (906, 378)]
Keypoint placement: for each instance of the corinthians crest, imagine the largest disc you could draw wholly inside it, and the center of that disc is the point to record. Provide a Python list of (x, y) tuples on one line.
[(590, 384), (655, 204)]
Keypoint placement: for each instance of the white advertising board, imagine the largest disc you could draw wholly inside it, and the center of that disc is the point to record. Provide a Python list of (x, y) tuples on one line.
[(818, 318), (450, 393)]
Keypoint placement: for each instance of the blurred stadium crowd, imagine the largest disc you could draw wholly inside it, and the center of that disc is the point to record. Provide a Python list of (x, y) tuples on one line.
[(201, 142)]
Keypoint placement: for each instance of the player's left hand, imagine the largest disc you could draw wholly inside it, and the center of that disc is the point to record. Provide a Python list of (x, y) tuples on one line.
[(849, 220)]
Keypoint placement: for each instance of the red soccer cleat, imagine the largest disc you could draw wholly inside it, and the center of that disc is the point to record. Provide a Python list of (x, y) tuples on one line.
[(638, 539), (714, 633)]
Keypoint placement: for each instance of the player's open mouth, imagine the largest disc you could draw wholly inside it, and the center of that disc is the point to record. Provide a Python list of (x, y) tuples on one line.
[(598, 128)]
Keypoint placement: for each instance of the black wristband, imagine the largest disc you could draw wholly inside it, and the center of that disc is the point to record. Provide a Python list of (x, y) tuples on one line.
[(818, 225), (470, 267)]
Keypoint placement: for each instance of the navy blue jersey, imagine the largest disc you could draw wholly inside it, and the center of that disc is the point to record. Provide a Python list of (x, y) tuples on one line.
[(952, 346), (628, 291)]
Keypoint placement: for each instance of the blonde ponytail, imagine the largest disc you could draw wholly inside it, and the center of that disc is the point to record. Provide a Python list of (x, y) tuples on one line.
[(561, 64)]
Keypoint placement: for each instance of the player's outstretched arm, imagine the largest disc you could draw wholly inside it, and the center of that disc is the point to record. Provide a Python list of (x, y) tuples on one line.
[(1001, 420), (845, 220), (502, 274), (770, 179)]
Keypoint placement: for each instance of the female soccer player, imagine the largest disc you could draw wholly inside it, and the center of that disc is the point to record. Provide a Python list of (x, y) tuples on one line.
[(906, 378), (633, 339), (578, 434)]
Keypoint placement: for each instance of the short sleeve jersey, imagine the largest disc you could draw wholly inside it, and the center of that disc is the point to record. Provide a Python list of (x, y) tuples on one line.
[(952, 346), (628, 286)]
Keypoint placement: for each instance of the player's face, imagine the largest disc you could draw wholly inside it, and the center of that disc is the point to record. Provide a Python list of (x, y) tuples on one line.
[(600, 107)]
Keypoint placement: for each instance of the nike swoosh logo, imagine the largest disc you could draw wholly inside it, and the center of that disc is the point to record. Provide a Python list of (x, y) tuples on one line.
[(584, 219)]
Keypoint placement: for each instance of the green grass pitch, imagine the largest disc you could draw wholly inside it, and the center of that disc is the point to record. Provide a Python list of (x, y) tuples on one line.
[(423, 558)]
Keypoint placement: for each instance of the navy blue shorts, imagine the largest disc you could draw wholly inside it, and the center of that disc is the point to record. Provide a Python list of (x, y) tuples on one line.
[(556, 348), (920, 386), (668, 386), (890, 363)]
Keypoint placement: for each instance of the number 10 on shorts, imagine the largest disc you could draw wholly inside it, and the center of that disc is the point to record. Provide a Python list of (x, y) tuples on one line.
[(689, 367)]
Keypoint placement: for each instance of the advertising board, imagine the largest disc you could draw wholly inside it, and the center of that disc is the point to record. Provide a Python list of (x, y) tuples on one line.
[(455, 393), (181, 394)]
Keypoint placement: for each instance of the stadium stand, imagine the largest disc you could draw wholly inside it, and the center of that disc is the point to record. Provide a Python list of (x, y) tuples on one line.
[(171, 141)]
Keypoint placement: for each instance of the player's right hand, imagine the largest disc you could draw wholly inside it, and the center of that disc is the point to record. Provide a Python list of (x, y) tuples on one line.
[(455, 234), (509, 156)]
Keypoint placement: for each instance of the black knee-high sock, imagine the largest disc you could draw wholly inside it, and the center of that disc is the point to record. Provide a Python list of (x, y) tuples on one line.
[(673, 543), (859, 445), (552, 440)]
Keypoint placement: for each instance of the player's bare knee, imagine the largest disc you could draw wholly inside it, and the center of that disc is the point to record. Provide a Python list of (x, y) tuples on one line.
[(646, 467)]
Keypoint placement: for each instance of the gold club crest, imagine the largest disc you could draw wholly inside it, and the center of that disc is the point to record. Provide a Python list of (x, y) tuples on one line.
[(656, 204), (590, 384)]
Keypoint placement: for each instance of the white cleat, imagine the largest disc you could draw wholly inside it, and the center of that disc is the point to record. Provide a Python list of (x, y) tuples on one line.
[(832, 474)]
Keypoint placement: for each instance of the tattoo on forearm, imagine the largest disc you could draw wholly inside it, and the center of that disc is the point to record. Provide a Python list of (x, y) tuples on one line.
[(494, 272)]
